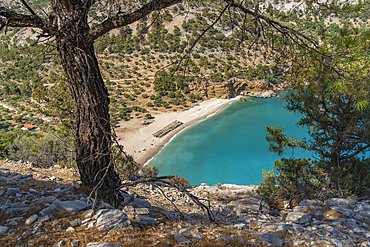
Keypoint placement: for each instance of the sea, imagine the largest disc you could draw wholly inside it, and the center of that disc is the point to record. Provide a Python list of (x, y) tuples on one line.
[(230, 147)]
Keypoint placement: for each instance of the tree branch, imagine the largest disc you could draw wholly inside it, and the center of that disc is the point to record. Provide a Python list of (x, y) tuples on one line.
[(269, 21), (10, 18), (123, 20), (28, 7)]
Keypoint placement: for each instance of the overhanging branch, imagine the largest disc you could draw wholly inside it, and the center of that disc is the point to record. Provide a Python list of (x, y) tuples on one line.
[(28, 7), (123, 20), (270, 22), (10, 18)]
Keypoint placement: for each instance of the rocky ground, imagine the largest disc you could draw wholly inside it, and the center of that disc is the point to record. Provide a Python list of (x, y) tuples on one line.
[(44, 207)]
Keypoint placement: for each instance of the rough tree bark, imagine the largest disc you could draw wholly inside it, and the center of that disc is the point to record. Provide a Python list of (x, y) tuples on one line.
[(93, 131)]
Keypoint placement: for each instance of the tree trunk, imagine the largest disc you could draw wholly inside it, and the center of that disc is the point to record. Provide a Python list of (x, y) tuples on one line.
[(93, 131)]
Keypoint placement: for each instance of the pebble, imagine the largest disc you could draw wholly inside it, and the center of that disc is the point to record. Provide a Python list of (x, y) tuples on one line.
[(70, 229), (3, 229)]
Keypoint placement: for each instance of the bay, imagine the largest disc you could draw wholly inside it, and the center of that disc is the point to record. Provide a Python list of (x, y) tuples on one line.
[(230, 146)]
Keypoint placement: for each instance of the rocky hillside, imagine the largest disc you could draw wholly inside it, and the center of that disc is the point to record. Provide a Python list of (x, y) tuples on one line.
[(46, 208)]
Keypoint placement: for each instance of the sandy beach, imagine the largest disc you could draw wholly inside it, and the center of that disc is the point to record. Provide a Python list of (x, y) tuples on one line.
[(142, 137)]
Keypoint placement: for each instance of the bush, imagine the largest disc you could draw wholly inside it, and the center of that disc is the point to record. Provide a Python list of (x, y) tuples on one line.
[(180, 180), (150, 171), (41, 151), (6, 140), (127, 168), (195, 55), (292, 179)]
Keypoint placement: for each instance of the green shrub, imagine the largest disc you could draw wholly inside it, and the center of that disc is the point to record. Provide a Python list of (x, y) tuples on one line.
[(41, 151)]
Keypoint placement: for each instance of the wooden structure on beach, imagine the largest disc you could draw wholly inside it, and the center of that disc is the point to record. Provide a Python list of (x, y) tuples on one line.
[(167, 129)]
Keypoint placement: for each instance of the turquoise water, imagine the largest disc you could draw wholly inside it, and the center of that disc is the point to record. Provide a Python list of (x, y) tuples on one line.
[(229, 147)]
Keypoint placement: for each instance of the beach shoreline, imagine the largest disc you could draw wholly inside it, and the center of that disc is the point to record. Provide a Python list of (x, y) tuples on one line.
[(142, 139)]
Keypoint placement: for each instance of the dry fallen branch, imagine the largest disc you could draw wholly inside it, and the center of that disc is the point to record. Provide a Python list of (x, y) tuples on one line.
[(175, 185)]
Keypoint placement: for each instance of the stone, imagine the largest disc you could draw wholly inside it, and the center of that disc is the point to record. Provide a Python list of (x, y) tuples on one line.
[(19, 206), (64, 206), (12, 223), (2, 168), (338, 243), (192, 231), (363, 216), (31, 219), (275, 213), (365, 244), (3, 229), (11, 191), (70, 229), (340, 202), (311, 203), (140, 203), (76, 184), (299, 242), (145, 220), (277, 227), (18, 195), (255, 203), (181, 239), (12, 211), (107, 218), (271, 239), (60, 244), (36, 229), (298, 217), (127, 198), (75, 222), (27, 234), (46, 218), (31, 197), (19, 177), (104, 205), (240, 226), (129, 209), (345, 211), (30, 243), (321, 242), (142, 210), (361, 206), (154, 243), (75, 243), (91, 224), (103, 245)]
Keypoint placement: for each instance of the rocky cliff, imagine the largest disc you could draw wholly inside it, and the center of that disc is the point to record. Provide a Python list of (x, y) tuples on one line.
[(42, 208), (234, 87)]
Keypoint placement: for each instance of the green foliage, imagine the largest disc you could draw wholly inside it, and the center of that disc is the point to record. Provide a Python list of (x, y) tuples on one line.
[(292, 179), (339, 131), (126, 166), (41, 151), (163, 82), (6, 139), (151, 171)]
